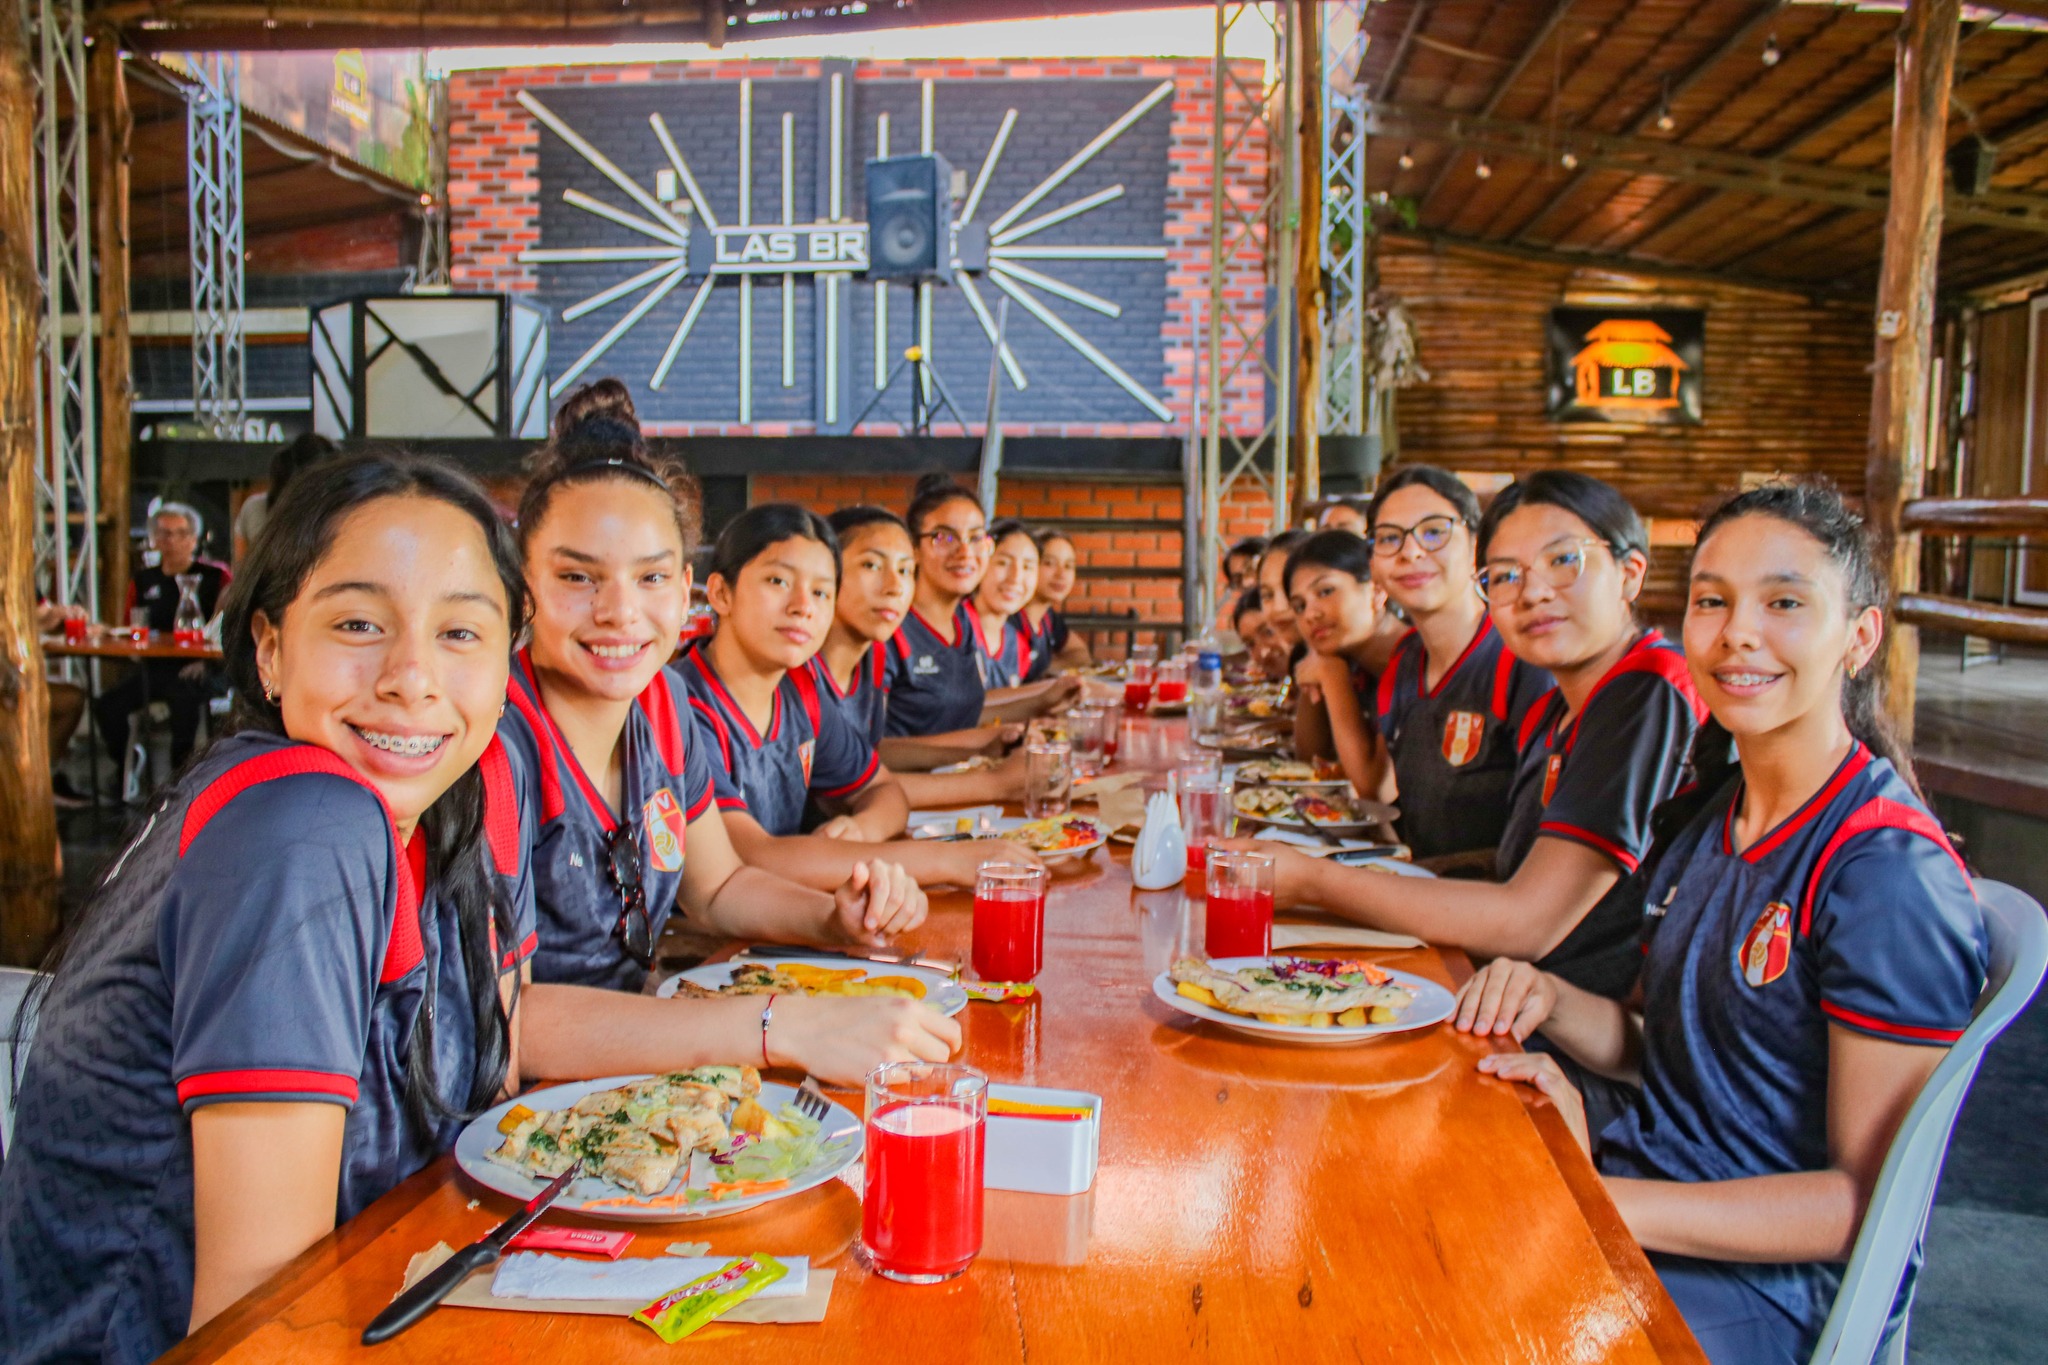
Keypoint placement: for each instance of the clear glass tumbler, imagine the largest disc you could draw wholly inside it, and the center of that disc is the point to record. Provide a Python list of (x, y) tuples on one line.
[(927, 1125), (1048, 777)]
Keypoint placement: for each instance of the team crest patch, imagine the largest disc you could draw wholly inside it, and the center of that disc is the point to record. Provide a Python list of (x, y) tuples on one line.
[(1767, 950), (805, 752), (664, 819), (1550, 777), (1462, 732)]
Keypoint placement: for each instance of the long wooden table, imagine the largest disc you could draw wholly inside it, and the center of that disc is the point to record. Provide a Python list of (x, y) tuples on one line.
[(1254, 1202)]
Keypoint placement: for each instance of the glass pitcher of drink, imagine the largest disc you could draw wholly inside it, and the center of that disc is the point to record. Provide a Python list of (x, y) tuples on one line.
[(188, 627)]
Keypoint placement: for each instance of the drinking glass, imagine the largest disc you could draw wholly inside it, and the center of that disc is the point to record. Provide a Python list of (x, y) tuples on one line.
[(1048, 777), (1170, 683), (138, 625), (927, 1124), (1239, 912), (1204, 812), (1138, 672), (1009, 921), (1088, 731), (75, 630)]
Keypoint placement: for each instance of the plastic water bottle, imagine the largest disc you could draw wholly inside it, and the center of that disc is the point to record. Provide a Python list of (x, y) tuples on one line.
[(1205, 686)]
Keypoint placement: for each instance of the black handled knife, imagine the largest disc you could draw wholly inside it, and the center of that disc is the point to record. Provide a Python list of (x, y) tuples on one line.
[(420, 1300)]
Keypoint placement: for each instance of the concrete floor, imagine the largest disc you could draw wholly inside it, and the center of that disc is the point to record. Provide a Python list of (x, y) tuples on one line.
[(1980, 1299)]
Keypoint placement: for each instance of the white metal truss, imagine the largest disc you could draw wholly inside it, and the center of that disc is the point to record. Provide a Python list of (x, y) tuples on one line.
[(1341, 405), (67, 415), (213, 177), (1250, 119)]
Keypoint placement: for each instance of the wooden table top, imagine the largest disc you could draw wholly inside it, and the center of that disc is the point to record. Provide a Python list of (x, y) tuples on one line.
[(1254, 1202), (121, 647)]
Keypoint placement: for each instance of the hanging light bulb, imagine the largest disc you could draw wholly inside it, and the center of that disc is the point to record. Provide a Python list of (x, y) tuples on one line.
[(1664, 119), (1482, 170), (1570, 160), (1771, 53), (1407, 159)]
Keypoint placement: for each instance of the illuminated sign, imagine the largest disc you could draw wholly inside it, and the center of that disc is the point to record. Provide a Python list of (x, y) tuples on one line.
[(1626, 365)]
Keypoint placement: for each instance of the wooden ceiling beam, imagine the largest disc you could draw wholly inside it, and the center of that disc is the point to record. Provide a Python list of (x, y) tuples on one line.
[(1774, 176), (1619, 263), (1406, 44), (1499, 92)]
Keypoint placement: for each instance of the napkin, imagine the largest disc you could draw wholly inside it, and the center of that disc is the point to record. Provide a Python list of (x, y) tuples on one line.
[(1123, 808), (1095, 788), (537, 1275), (1337, 936)]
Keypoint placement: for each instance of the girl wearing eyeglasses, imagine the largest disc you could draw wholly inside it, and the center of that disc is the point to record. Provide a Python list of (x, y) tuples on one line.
[(1451, 702), (1052, 643), (773, 744), (627, 825), (304, 974), (1563, 558), (1340, 613), (1813, 946)]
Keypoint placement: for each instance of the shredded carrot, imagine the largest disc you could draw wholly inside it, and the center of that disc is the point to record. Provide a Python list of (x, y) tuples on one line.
[(737, 1189)]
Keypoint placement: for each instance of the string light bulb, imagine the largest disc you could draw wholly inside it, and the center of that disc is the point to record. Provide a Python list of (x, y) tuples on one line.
[(1482, 170), (1407, 159), (1570, 160), (1771, 53), (1664, 119)]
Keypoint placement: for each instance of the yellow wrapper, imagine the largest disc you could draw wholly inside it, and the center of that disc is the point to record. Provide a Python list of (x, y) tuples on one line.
[(682, 1311)]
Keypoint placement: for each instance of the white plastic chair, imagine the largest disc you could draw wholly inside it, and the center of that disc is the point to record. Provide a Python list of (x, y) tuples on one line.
[(14, 984), (1897, 1217)]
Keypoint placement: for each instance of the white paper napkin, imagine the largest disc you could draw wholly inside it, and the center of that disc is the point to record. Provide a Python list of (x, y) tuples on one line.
[(538, 1275), (1338, 936)]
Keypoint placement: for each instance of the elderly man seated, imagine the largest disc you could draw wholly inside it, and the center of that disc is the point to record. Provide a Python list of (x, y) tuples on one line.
[(174, 532)]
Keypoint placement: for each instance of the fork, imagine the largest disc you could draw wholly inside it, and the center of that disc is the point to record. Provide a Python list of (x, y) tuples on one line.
[(811, 1101)]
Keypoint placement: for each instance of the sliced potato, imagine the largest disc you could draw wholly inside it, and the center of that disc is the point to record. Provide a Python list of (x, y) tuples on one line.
[(899, 985), (514, 1116), (751, 1116), (1384, 1014), (1201, 995), (1353, 1017)]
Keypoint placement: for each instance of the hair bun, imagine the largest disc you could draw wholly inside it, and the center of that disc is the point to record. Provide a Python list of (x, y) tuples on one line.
[(600, 400), (938, 481)]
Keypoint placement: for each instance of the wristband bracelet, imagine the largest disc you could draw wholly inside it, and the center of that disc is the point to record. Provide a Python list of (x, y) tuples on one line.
[(767, 1013)]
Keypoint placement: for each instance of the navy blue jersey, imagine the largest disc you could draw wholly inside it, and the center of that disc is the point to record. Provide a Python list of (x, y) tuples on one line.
[(666, 784), (935, 685), (1595, 781), (1453, 745), (263, 938), (810, 749), (1009, 663), (1856, 912), (864, 705), (1048, 639)]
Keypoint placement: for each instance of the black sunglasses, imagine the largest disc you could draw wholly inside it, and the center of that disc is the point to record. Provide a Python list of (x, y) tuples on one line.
[(622, 860)]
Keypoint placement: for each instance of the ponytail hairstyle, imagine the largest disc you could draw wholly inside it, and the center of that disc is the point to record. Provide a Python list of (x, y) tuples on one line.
[(1044, 536), (1596, 502), (597, 438), (1344, 551), (296, 539), (934, 491), (1011, 526), (1441, 482), (747, 536), (847, 520)]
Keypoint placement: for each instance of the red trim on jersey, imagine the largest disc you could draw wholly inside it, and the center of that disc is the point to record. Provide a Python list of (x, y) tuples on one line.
[(519, 954), (1858, 759), (1926, 1035), (1383, 701), (815, 666), (1503, 679), (1645, 656), (1877, 813), (1533, 722), (900, 645), (501, 808), (881, 668), (953, 643), (1601, 842), (551, 802), (538, 717), (807, 696), (703, 804), (658, 704), (266, 1082), (867, 775), (1422, 678), (732, 709)]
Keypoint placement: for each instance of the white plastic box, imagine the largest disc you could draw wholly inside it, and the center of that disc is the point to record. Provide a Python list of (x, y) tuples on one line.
[(1042, 1156)]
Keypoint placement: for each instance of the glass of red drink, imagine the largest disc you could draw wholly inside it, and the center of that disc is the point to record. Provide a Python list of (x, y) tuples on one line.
[(1170, 683), (920, 1219), (1204, 811), (1138, 672), (1009, 921), (74, 630), (1239, 908)]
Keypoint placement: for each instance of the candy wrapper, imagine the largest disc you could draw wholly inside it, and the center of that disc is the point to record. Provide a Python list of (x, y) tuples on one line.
[(995, 992), (682, 1311)]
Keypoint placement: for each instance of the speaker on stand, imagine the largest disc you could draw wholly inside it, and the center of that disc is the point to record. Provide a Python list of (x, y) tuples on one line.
[(910, 218)]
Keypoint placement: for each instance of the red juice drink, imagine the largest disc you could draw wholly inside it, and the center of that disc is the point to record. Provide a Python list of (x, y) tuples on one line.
[(1137, 696), (1009, 921), (1239, 923), (1170, 690), (922, 1214)]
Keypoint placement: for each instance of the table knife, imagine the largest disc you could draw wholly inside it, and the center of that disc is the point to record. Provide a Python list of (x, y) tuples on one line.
[(420, 1300)]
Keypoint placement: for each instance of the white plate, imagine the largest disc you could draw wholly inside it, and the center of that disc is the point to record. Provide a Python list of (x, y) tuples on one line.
[(1431, 1006), (482, 1136), (1010, 822), (941, 992), (940, 824)]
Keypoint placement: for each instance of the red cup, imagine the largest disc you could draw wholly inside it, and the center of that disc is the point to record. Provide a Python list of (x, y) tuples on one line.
[(74, 630), (1239, 906), (1009, 921), (921, 1214)]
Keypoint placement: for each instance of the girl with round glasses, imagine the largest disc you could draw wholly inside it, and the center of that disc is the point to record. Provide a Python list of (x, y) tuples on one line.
[(627, 825), (1564, 556), (1451, 701), (1813, 946)]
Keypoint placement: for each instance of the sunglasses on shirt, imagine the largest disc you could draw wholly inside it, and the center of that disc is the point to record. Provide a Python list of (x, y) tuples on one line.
[(635, 927)]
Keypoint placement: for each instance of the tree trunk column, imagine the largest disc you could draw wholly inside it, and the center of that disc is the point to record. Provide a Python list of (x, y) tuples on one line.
[(28, 819), (110, 122), (1905, 317)]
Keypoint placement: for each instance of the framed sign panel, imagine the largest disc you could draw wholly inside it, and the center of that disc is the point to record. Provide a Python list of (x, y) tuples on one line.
[(1637, 366)]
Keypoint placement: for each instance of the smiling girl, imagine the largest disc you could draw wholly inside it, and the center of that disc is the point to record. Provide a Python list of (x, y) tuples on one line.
[(1051, 640), (1814, 946), (1451, 701), (302, 975), (1339, 611), (773, 743), (1008, 644), (1564, 557), (627, 828)]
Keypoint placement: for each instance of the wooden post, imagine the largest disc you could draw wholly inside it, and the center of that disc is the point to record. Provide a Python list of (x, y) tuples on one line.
[(28, 819), (1308, 251), (1926, 59), (110, 122)]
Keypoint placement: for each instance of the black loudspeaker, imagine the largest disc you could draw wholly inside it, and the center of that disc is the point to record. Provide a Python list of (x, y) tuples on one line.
[(910, 218), (1971, 163)]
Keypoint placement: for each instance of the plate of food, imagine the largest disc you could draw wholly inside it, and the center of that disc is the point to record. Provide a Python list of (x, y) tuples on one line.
[(1056, 836), (799, 975), (1256, 701), (1288, 772), (703, 1143), (1299, 999), (1244, 741), (1325, 810)]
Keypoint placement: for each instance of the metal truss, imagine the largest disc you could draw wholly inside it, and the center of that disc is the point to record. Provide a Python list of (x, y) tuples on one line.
[(213, 176), (1341, 403), (1256, 120), (430, 270), (67, 417)]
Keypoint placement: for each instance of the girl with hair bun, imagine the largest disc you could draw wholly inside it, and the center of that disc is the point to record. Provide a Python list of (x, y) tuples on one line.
[(627, 826), (774, 744), (1563, 558), (1814, 946)]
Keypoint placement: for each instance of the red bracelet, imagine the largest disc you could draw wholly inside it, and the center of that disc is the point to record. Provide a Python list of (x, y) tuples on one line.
[(767, 1013)]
